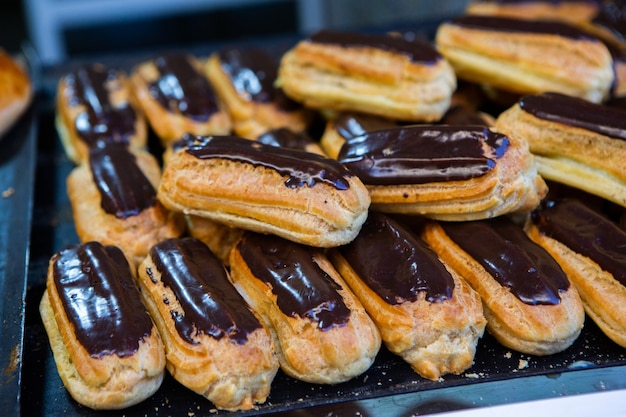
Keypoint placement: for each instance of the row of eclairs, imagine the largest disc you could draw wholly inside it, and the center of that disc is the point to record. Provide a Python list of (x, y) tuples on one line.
[(360, 190)]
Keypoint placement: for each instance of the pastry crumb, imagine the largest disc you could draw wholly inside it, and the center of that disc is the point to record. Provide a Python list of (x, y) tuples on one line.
[(523, 363), (508, 355), (8, 192)]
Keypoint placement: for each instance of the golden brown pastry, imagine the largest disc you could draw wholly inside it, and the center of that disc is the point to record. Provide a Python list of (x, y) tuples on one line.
[(113, 195), (219, 237), (446, 172), (16, 91), (575, 142), (94, 105), (590, 249), (177, 98), (295, 194), (107, 350), (381, 75), (527, 56), (528, 301), (215, 345), (321, 331), (425, 312), (244, 81), (568, 11)]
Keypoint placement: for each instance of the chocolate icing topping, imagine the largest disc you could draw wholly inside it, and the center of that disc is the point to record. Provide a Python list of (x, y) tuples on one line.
[(503, 249), (586, 232), (99, 296), (211, 304), (286, 138), (101, 120), (301, 287), (423, 153), (350, 125), (576, 112), (395, 264), (124, 189), (301, 167)]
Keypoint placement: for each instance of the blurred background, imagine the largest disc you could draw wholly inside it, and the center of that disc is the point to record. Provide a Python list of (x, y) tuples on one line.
[(60, 29)]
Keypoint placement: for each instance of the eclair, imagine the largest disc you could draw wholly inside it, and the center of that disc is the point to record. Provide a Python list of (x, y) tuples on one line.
[(575, 142), (321, 331), (287, 138), (215, 345), (590, 249), (572, 11), (383, 75), (94, 105), (425, 312), (16, 91), (113, 195), (177, 97), (299, 195), (445, 172), (107, 350), (524, 56), (528, 301), (244, 81)]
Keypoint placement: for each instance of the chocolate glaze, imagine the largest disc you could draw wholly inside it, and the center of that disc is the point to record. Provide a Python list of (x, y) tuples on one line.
[(395, 264), (576, 112), (210, 302), (180, 88), (90, 87), (421, 154), (286, 138), (350, 125), (301, 167), (586, 232), (301, 287), (417, 50), (99, 296), (503, 249), (124, 189)]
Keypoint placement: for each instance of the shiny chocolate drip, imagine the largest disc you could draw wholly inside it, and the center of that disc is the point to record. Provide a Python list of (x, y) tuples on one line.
[(586, 232), (90, 87), (416, 50), (395, 264), (423, 153), (503, 249), (180, 88), (286, 138), (210, 302), (576, 112), (99, 296), (302, 288), (302, 168), (124, 189), (350, 125)]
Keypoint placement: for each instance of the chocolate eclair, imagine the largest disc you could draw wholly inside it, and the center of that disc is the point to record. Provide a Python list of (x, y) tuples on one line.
[(572, 11), (590, 249), (215, 345), (321, 331), (528, 301), (575, 142), (299, 195), (244, 81), (107, 350), (446, 172), (94, 104), (335, 70), (113, 195), (177, 97), (425, 312), (287, 138), (524, 56)]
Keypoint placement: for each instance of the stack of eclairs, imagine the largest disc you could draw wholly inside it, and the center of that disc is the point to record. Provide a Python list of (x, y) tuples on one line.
[(359, 190)]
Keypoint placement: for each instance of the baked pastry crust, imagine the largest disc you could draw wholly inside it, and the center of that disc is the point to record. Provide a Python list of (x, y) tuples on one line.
[(16, 91), (568, 11)]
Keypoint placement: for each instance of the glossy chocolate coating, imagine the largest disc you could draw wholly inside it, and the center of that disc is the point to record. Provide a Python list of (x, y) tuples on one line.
[(351, 125), (586, 232), (181, 89), (302, 168), (576, 112), (124, 189), (503, 249), (417, 51), (210, 302), (423, 153), (302, 288), (286, 138), (99, 296), (396, 264), (90, 88)]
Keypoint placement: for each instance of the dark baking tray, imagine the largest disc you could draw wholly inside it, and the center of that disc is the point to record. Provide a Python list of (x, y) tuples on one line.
[(389, 387)]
